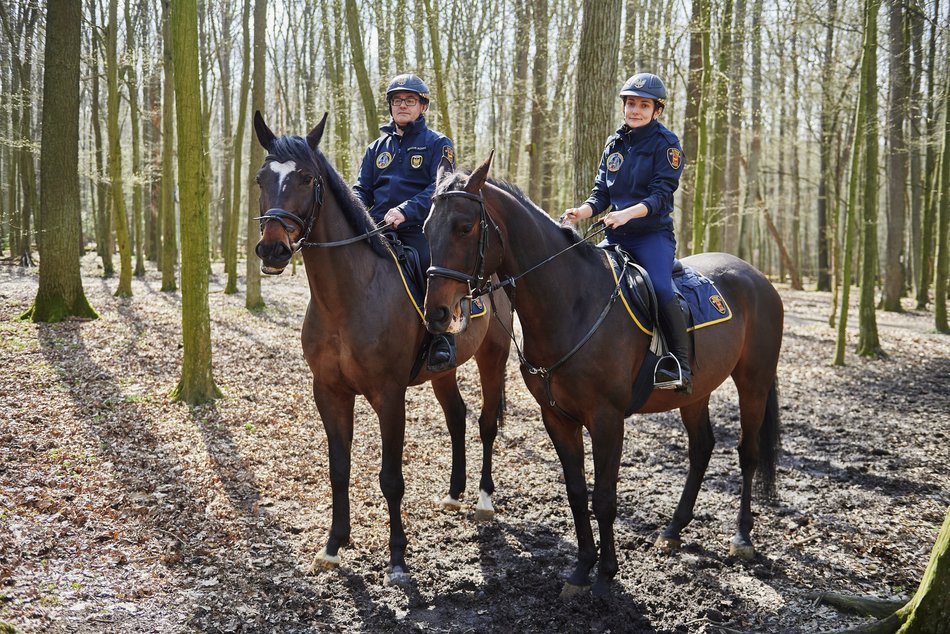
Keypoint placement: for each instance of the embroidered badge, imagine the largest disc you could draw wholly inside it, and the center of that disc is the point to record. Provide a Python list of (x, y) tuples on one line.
[(383, 160), (718, 304), (675, 157), (639, 83), (448, 154), (614, 161), (415, 161)]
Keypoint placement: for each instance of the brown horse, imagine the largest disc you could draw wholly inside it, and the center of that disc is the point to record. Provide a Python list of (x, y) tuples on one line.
[(362, 334), (477, 228)]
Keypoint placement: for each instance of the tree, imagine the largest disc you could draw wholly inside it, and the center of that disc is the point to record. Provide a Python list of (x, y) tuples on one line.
[(825, 232), (60, 292), (131, 82), (197, 383), (869, 344), (942, 264), (445, 122), (255, 157), (230, 246), (115, 154), (894, 265), (169, 232), (359, 66), (595, 105)]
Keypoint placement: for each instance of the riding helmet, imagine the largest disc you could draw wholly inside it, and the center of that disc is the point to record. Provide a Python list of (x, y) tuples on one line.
[(645, 85), (407, 82)]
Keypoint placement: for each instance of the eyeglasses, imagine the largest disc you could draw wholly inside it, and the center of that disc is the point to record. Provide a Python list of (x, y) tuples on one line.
[(409, 101)]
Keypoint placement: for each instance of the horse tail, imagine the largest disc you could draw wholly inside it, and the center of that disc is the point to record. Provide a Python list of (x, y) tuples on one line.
[(769, 446)]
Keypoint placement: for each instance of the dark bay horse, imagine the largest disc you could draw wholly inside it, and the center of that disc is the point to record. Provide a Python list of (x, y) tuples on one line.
[(362, 334), (477, 228)]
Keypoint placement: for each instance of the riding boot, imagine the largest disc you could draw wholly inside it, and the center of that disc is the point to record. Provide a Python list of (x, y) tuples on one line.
[(673, 322), (442, 352)]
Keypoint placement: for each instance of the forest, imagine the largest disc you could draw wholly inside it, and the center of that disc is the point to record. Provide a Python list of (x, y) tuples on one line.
[(816, 139)]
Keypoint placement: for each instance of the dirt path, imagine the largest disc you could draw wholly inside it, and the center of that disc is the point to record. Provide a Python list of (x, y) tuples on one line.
[(123, 512)]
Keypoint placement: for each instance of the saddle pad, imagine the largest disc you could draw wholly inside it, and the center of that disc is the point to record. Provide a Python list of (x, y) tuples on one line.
[(417, 295), (707, 306)]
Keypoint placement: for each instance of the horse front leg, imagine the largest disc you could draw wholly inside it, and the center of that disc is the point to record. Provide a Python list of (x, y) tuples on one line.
[(391, 409), (336, 412), (447, 392), (701, 441), (569, 444), (606, 435), (491, 358)]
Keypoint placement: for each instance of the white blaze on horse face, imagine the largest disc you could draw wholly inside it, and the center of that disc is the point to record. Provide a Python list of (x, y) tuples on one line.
[(282, 170)]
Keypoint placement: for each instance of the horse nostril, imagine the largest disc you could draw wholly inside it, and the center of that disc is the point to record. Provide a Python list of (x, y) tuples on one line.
[(437, 315), (259, 250)]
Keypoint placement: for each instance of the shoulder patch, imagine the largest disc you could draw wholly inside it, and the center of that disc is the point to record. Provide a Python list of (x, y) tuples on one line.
[(614, 161), (448, 153), (383, 160), (675, 157)]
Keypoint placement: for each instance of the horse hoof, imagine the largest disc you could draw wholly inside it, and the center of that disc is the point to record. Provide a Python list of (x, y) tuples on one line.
[(397, 577), (450, 505), (484, 511), (668, 544), (323, 561), (741, 549), (570, 591)]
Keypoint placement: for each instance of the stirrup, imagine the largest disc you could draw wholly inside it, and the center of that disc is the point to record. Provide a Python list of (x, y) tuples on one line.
[(668, 384)]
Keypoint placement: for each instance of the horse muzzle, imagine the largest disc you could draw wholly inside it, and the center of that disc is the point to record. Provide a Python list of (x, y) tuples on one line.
[(275, 256), (442, 320)]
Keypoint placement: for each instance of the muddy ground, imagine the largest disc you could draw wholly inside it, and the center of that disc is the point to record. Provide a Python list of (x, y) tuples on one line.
[(121, 511)]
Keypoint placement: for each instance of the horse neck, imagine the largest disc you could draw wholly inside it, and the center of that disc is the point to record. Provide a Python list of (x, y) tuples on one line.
[(336, 274), (560, 293)]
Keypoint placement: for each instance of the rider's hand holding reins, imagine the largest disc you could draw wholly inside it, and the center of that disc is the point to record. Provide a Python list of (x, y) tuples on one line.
[(394, 217), (623, 216), (572, 215)]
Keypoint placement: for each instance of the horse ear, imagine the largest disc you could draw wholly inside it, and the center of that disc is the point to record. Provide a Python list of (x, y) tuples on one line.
[(480, 175), (445, 168), (264, 136), (313, 139)]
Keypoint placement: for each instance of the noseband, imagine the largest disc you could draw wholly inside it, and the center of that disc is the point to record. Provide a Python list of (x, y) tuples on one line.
[(477, 283)]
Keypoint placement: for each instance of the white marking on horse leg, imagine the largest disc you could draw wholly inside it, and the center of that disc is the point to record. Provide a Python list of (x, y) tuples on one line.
[(324, 561), (483, 508), (449, 503)]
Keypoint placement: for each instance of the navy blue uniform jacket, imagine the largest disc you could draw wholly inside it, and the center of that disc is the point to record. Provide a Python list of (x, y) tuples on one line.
[(639, 165), (400, 171)]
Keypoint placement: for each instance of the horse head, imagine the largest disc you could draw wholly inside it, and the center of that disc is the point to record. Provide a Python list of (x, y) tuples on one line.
[(465, 245), (291, 193)]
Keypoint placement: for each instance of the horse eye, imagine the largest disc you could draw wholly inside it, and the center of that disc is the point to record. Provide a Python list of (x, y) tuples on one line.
[(466, 229), (307, 179)]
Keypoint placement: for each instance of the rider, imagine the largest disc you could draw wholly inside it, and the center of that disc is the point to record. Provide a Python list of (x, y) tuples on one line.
[(639, 171), (397, 178)]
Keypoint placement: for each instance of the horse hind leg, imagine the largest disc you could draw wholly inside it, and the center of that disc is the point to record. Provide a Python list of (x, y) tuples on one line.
[(447, 393), (701, 441), (758, 453)]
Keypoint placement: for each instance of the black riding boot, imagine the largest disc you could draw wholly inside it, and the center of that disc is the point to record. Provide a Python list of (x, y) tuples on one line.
[(442, 352), (673, 322)]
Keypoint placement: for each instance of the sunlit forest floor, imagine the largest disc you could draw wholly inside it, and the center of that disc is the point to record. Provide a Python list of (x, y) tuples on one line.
[(121, 511)]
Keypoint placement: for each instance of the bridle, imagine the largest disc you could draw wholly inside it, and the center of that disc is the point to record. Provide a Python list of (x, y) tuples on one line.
[(288, 219), (478, 284)]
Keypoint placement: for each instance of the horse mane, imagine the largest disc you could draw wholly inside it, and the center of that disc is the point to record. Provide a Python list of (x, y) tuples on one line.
[(295, 148), (457, 180)]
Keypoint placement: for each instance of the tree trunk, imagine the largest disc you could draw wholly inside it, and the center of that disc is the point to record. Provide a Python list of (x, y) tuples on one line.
[(131, 82), (825, 183), (538, 171), (238, 162), (518, 88), (925, 274), (340, 124), (915, 140), (717, 174), (115, 155), (227, 154), (60, 292), (733, 218), (694, 94), (104, 224), (942, 264), (255, 157), (869, 344), (197, 383), (169, 226), (441, 94), (754, 197), (595, 103), (699, 197), (359, 66), (898, 63)]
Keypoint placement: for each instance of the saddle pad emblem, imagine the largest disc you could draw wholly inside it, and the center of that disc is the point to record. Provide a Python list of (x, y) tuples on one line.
[(675, 157), (383, 160), (614, 161), (415, 161), (718, 304)]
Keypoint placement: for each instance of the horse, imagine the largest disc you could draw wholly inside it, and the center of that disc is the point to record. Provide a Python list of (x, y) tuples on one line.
[(362, 334), (478, 227)]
